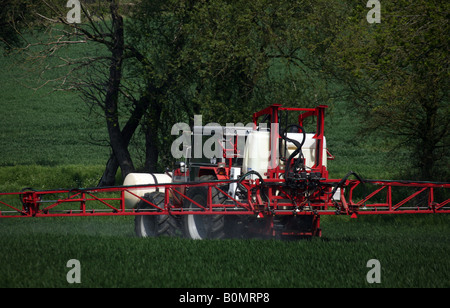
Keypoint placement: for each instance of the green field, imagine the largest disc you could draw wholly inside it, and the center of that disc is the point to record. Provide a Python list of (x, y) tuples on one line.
[(46, 142), (413, 252)]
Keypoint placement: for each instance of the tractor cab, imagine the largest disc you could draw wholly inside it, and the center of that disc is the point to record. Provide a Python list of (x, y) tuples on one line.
[(276, 145)]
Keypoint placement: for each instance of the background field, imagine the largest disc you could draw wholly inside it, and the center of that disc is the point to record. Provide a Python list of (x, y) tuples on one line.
[(46, 142)]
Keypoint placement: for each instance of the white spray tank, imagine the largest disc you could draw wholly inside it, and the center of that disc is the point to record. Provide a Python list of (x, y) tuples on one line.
[(257, 153), (136, 179), (308, 149)]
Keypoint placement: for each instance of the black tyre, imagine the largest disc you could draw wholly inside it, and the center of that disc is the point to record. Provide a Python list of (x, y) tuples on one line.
[(201, 227), (154, 225)]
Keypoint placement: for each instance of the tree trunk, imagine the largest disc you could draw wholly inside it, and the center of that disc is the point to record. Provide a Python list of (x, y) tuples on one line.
[(118, 144), (151, 137), (429, 141), (109, 176)]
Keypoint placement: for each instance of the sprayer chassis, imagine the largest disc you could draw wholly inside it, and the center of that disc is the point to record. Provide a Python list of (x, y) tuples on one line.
[(276, 193)]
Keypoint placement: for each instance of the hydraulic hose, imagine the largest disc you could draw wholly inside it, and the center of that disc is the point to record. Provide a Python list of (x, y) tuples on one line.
[(253, 172), (342, 181), (298, 150)]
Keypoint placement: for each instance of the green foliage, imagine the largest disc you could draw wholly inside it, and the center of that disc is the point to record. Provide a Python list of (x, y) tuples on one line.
[(225, 59), (248, 55), (17, 16), (44, 131), (399, 78)]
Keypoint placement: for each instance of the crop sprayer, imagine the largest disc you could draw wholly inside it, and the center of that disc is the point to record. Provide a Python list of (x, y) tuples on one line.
[(271, 180)]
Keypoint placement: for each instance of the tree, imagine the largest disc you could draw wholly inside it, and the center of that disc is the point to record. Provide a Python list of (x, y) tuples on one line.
[(250, 54), (172, 59), (15, 17), (156, 31), (96, 73), (398, 76), (225, 60)]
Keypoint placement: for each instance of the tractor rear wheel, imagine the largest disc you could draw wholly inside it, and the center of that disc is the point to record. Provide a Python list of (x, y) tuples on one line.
[(154, 225), (201, 227)]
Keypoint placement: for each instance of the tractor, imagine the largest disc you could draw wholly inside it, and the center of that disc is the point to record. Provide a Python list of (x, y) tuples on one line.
[(268, 179)]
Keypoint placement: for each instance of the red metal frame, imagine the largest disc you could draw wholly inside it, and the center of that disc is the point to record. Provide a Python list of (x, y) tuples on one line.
[(268, 198), (110, 201), (273, 112)]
